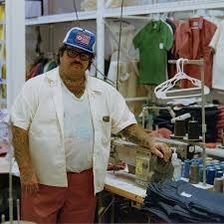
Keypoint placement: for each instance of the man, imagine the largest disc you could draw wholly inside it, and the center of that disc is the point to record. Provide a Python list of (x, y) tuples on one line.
[(62, 125)]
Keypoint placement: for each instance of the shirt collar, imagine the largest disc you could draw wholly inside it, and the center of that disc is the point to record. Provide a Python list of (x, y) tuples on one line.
[(197, 22), (156, 25)]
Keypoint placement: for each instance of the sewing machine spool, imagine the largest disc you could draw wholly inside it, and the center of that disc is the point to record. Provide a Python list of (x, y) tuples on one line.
[(218, 184), (193, 130), (194, 174), (179, 129)]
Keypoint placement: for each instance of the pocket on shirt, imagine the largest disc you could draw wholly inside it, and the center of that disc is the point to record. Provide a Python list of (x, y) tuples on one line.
[(105, 131)]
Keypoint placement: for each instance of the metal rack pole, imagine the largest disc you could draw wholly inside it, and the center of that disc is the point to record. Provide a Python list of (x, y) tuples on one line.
[(203, 124), (10, 192), (199, 62)]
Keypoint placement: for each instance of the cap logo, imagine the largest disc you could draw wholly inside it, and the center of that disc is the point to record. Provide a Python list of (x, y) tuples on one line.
[(83, 38)]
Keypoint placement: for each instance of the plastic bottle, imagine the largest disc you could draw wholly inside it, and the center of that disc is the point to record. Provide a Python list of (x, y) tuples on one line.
[(176, 162)]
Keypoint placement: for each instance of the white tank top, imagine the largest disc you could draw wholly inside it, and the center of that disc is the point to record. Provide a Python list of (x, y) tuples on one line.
[(78, 131)]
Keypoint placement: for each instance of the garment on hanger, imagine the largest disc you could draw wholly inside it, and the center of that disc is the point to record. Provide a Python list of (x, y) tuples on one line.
[(171, 68), (40, 66), (192, 42), (220, 124), (153, 42), (127, 82), (217, 44), (127, 79), (127, 34)]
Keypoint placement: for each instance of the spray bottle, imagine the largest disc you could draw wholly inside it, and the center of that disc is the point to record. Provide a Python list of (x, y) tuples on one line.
[(176, 162)]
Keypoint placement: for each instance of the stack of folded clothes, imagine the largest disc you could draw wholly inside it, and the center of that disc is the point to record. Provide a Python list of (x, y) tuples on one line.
[(180, 202)]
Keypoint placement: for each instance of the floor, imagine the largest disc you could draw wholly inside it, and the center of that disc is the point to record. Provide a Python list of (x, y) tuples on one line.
[(124, 210)]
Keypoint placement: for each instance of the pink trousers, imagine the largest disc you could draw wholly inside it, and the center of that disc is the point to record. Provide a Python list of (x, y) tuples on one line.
[(74, 204)]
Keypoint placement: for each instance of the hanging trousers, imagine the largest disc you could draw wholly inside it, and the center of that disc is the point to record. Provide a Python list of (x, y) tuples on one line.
[(73, 204)]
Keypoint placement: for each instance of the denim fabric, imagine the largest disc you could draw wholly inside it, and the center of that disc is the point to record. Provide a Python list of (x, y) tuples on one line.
[(181, 202), (211, 119)]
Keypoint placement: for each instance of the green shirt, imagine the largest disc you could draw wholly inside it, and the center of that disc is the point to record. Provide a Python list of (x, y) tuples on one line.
[(153, 41)]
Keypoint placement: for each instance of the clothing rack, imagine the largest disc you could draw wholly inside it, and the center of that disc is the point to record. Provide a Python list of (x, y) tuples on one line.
[(199, 62)]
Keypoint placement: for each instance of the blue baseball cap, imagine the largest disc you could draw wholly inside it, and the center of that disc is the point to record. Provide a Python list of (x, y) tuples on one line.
[(81, 38)]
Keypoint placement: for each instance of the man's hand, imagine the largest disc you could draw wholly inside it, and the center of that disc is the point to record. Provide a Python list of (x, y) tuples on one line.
[(29, 181), (162, 151), (138, 135), (28, 176)]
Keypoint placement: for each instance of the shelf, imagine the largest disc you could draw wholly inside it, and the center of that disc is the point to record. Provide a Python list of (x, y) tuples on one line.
[(166, 7), (130, 11), (217, 152), (59, 18)]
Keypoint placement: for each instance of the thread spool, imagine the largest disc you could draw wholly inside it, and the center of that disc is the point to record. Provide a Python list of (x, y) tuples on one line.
[(219, 173), (179, 128), (201, 172), (222, 166), (193, 130), (222, 184), (3, 219), (210, 175), (215, 162), (194, 174), (218, 184), (186, 168)]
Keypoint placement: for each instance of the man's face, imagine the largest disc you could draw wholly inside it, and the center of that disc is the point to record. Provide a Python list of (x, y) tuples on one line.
[(74, 62)]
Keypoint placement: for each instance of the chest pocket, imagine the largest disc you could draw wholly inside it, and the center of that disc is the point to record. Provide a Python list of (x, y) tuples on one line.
[(105, 126), (46, 111), (101, 118)]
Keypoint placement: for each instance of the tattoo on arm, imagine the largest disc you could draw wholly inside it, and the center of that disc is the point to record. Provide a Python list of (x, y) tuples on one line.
[(21, 147), (138, 135)]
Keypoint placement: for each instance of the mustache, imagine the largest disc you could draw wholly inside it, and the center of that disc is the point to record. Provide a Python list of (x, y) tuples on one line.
[(77, 62)]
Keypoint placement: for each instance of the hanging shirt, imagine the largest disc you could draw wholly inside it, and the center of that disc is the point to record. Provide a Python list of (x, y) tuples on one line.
[(171, 68), (218, 68), (192, 42), (153, 41), (127, 34), (78, 131), (126, 44)]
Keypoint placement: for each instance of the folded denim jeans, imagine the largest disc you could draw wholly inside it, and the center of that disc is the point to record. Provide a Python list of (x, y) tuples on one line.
[(181, 202)]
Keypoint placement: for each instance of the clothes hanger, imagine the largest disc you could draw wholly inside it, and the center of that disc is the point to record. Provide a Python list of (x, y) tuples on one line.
[(166, 90), (164, 16), (156, 16)]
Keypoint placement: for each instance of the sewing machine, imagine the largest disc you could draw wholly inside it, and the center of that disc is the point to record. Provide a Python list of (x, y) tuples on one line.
[(145, 166)]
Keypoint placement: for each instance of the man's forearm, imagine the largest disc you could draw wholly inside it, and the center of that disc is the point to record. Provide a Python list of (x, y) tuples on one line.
[(138, 135), (21, 148)]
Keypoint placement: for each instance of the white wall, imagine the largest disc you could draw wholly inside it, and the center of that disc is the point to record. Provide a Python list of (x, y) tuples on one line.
[(15, 48)]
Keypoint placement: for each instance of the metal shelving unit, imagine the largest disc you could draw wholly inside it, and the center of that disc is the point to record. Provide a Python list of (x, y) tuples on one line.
[(166, 7), (60, 18), (103, 13), (130, 11)]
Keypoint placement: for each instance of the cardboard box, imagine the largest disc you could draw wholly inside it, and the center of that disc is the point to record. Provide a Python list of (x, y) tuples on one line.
[(33, 9)]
